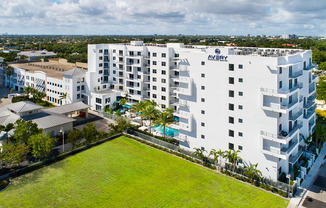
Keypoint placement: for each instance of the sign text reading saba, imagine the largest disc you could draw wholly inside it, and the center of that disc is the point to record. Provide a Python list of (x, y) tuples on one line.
[(217, 57)]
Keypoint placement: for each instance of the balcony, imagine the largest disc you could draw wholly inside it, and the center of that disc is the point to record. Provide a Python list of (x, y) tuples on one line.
[(310, 112), (294, 75), (312, 97), (181, 103), (181, 79), (182, 114), (280, 92), (294, 158), (284, 136), (279, 107), (295, 116), (312, 66), (312, 87), (314, 77), (180, 137), (182, 91), (308, 104)]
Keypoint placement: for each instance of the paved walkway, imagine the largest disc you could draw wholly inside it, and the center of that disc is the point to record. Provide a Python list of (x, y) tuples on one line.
[(308, 184)]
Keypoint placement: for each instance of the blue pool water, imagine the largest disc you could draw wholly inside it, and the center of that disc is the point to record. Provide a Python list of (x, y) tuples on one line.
[(168, 131)]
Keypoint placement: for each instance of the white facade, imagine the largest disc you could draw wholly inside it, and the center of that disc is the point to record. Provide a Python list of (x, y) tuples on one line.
[(259, 101), (71, 82)]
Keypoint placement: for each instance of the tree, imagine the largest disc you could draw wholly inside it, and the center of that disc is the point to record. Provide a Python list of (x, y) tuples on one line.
[(163, 119), (320, 132), (322, 66), (321, 89), (74, 137), (14, 154), (28, 90), (41, 145), (123, 101), (215, 155), (151, 113), (121, 126), (139, 108), (199, 153), (9, 71), (169, 111), (89, 133), (63, 97), (252, 172), (151, 102), (24, 130), (37, 95), (7, 128), (232, 157)]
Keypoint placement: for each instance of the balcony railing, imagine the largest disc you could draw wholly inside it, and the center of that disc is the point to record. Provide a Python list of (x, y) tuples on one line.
[(281, 91), (295, 116), (288, 149), (295, 74), (294, 158), (312, 87)]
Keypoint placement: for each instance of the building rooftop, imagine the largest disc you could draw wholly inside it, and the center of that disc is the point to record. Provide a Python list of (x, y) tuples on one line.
[(23, 106), (37, 53), (52, 69), (46, 120), (74, 72), (63, 109)]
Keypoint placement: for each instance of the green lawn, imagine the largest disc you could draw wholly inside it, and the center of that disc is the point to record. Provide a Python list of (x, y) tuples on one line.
[(125, 173)]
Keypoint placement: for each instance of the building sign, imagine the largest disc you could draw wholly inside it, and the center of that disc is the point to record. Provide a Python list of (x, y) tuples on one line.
[(217, 56)]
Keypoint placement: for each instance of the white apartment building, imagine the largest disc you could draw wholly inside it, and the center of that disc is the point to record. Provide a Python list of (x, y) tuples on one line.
[(54, 80), (259, 101)]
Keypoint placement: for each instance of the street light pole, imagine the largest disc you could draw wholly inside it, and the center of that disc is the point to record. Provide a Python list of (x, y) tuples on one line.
[(63, 138)]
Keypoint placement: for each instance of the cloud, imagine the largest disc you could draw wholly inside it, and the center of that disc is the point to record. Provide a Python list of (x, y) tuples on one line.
[(164, 17)]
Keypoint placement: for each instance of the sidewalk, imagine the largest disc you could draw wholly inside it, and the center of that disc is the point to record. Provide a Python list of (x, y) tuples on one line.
[(309, 180)]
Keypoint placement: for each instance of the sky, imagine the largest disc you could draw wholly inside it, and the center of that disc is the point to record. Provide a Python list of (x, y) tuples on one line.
[(166, 17)]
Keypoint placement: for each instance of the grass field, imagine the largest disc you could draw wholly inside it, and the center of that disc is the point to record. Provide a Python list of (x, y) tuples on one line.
[(124, 173)]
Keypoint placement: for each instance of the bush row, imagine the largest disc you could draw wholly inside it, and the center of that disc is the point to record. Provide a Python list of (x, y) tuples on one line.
[(209, 165), (169, 140)]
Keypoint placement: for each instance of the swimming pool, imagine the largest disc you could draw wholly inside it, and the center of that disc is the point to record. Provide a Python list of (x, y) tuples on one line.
[(168, 131)]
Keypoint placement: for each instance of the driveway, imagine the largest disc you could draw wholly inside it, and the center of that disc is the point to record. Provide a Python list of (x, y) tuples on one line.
[(316, 195)]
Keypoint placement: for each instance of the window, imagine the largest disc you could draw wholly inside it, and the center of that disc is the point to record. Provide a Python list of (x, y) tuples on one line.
[(203, 75), (78, 96), (280, 115), (154, 54), (231, 67), (100, 51), (203, 87), (231, 93), (154, 62), (154, 79), (231, 133), (202, 136), (240, 80), (203, 63), (280, 84), (163, 80), (202, 124), (231, 106), (280, 70), (98, 100), (240, 107), (100, 58), (154, 95), (240, 134), (240, 66), (231, 120), (202, 100), (240, 93), (163, 63), (100, 65), (202, 112), (231, 80), (163, 55), (154, 87), (280, 128), (154, 71), (240, 147), (163, 89), (78, 88), (163, 72), (231, 146), (83, 87), (163, 98), (163, 106), (240, 120)]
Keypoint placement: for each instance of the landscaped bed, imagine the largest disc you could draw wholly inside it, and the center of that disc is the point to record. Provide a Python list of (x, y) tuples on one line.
[(125, 173)]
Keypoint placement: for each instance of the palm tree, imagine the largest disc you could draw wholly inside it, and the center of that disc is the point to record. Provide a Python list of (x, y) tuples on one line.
[(220, 154), (139, 108), (235, 158), (9, 71), (151, 102), (163, 120), (169, 111), (123, 101), (28, 90), (63, 96), (199, 153), (215, 155), (253, 172), (151, 113)]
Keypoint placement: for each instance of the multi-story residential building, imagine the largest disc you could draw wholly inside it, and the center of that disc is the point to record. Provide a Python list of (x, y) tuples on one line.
[(52, 78), (259, 101)]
